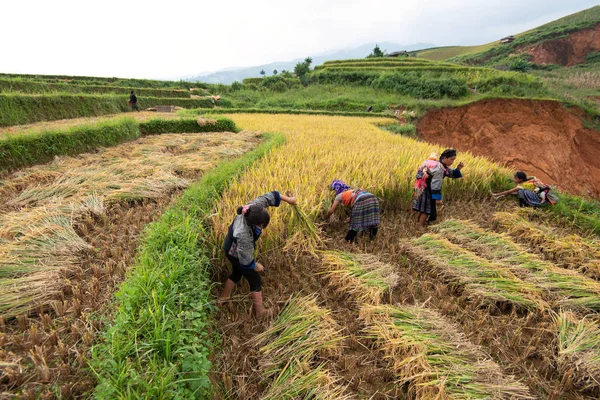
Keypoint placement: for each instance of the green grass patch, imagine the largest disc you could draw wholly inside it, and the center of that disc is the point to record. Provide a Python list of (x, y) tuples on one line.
[(34, 87), (159, 342), (22, 150), (17, 151), (17, 109), (204, 111), (187, 125)]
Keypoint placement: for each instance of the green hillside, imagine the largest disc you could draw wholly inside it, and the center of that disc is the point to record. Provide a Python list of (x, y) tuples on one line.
[(494, 53)]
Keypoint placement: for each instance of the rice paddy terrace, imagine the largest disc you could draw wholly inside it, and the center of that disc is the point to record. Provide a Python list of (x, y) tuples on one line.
[(489, 303)]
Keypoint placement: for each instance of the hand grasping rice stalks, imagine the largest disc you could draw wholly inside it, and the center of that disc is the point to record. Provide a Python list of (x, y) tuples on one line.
[(482, 280), (429, 354), (579, 350), (571, 251), (568, 288), (302, 333), (361, 276)]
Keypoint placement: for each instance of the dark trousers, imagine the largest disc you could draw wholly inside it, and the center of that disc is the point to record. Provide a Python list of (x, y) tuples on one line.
[(251, 275)]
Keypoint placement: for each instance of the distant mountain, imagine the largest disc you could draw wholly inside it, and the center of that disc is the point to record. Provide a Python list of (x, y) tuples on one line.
[(229, 75)]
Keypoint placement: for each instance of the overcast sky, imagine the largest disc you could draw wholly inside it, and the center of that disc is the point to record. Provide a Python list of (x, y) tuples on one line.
[(168, 39)]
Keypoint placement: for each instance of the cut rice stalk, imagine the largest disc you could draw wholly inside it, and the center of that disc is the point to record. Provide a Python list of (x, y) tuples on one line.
[(436, 361), (361, 276), (481, 279), (570, 251), (568, 288), (579, 350)]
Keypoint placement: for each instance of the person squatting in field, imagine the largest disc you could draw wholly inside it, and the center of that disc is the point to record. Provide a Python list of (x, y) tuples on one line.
[(240, 243), (428, 185), (531, 191), (364, 209)]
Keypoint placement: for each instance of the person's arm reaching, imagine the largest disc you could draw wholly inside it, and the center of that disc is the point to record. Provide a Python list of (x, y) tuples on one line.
[(332, 209), (510, 191)]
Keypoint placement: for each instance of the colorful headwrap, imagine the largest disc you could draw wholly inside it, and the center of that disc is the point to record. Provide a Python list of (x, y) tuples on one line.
[(339, 186)]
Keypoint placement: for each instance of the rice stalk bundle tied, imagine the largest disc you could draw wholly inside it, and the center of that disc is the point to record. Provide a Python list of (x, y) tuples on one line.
[(363, 277), (481, 279), (436, 361), (579, 349), (571, 251), (568, 288)]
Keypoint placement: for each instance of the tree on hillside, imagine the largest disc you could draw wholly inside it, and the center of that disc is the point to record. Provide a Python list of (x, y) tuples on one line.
[(262, 72), (274, 72), (377, 52), (302, 69)]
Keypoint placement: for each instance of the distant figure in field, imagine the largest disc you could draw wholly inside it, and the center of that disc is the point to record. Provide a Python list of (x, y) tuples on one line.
[(240, 243), (133, 102), (531, 191), (364, 209), (370, 108), (428, 186)]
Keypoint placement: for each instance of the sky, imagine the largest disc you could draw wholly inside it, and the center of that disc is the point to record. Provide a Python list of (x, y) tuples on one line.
[(171, 39)]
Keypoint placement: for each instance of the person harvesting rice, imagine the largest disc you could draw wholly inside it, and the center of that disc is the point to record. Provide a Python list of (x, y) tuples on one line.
[(240, 243), (531, 191), (364, 209), (428, 186)]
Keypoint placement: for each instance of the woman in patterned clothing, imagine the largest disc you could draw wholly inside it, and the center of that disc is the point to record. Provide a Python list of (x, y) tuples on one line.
[(428, 186), (364, 209)]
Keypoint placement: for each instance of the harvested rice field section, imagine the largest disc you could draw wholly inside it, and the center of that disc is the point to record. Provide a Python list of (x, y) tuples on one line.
[(464, 311), (69, 231)]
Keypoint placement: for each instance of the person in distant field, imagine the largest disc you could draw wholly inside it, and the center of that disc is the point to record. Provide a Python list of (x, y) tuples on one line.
[(531, 191), (133, 102), (428, 186), (240, 243), (364, 209)]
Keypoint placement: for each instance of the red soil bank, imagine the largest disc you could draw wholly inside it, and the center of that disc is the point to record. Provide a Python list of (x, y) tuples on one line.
[(566, 51), (542, 138)]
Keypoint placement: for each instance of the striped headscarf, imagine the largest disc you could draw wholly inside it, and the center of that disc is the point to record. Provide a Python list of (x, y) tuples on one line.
[(339, 186)]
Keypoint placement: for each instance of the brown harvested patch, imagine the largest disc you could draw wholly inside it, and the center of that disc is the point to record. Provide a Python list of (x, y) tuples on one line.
[(567, 51), (49, 350), (44, 347), (541, 138)]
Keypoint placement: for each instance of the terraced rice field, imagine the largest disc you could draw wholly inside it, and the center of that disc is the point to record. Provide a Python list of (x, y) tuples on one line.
[(69, 230), (462, 312), (490, 303)]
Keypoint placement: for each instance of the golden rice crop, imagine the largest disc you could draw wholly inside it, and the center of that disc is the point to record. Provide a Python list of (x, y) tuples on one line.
[(38, 242), (434, 358), (322, 148)]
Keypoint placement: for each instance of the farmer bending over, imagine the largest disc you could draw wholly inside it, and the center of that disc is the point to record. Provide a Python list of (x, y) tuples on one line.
[(531, 191), (364, 209), (428, 185), (240, 242)]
